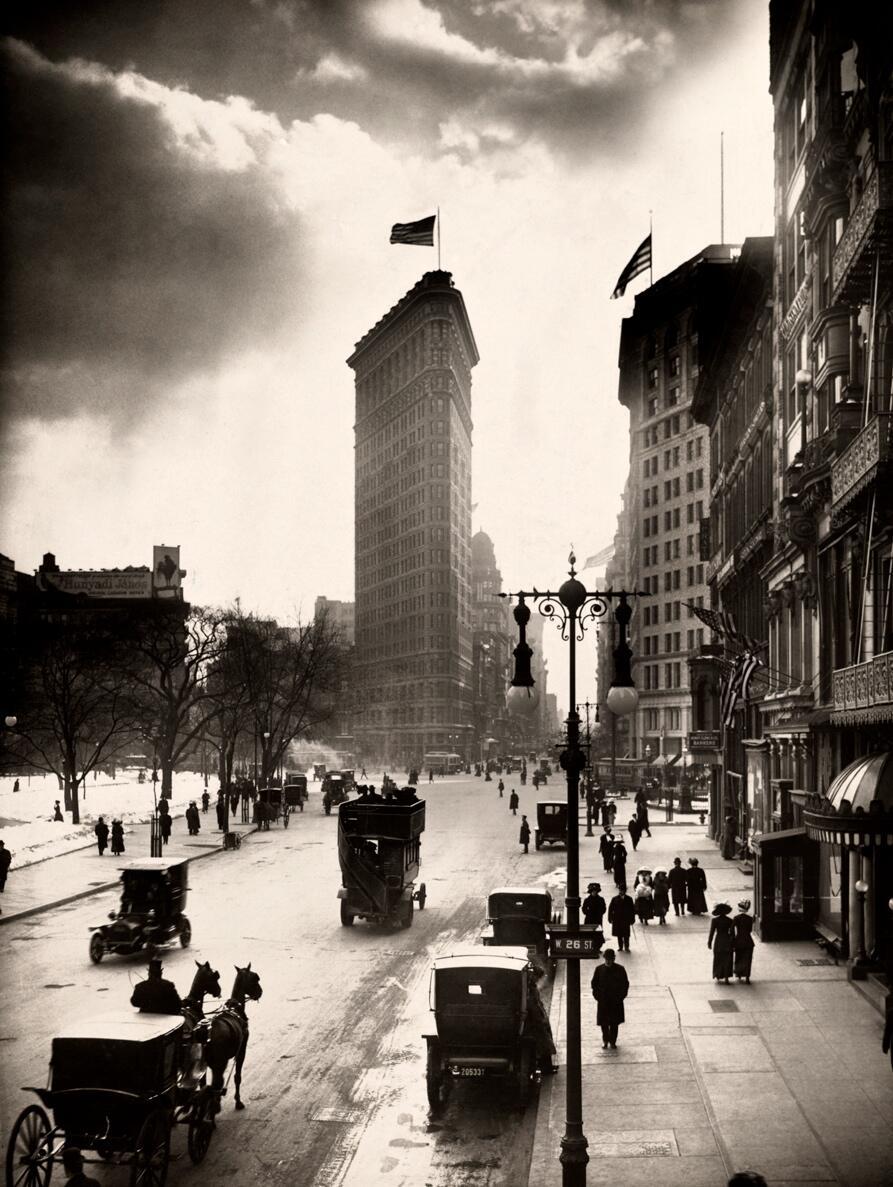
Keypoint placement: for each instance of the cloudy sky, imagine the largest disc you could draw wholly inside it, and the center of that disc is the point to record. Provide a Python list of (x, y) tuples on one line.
[(198, 200)]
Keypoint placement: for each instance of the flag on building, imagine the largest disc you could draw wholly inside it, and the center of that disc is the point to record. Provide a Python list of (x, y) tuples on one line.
[(735, 686), (420, 233), (641, 259), (593, 562), (723, 623)]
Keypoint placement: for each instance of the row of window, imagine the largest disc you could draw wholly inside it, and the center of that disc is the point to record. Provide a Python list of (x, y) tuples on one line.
[(670, 718), (672, 611), (673, 675), (694, 513), (694, 448), (694, 480), (672, 641)]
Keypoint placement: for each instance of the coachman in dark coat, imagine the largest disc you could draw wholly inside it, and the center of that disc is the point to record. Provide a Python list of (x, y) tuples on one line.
[(610, 985)]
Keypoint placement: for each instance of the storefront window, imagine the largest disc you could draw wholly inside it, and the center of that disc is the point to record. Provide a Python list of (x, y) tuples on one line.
[(829, 889), (789, 885)]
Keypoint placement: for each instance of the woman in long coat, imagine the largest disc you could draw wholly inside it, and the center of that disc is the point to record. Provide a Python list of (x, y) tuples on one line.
[(606, 848), (695, 885), (743, 942), (661, 895), (721, 939), (117, 838), (643, 900), (619, 864)]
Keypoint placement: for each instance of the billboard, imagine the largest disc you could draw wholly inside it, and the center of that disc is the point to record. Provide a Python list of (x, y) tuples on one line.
[(166, 575), (104, 583)]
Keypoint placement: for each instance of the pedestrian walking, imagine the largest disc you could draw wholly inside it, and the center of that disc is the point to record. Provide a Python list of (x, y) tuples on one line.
[(621, 916), (431, 775), (102, 835), (193, 820), (642, 817), (729, 829), (606, 849), (743, 942), (619, 863), (15, 786), (643, 900), (524, 834), (594, 906), (612, 813), (117, 838), (220, 809), (635, 831), (57, 812), (164, 821), (695, 885), (721, 940), (610, 985), (206, 799), (514, 802), (678, 886), (660, 894), (501, 787), (5, 860)]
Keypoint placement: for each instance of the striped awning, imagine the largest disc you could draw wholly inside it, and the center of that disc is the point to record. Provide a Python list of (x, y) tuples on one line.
[(868, 778)]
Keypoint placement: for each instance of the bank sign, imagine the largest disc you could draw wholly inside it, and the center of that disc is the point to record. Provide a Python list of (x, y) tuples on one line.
[(704, 740)]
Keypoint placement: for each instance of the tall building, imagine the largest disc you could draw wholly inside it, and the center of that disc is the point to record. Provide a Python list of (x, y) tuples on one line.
[(668, 490), (340, 615), (493, 638), (413, 526)]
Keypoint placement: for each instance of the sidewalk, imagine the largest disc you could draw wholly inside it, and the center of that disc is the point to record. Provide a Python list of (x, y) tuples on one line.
[(784, 1076), (82, 872)]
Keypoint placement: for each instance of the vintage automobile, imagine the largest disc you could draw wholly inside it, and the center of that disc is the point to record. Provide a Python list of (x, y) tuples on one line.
[(520, 916), (118, 1085), (551, 823), (295, 790), (270, 806), (379, 843), (349, 781), (153, 896), (486, 1016), (334, 791)]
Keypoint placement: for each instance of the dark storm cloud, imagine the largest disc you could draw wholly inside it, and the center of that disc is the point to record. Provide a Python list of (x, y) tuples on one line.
[(133, 257)]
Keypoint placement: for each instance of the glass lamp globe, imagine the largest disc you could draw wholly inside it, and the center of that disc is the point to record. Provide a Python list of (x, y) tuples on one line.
[(521, 702), (11, 721), (622, 701)]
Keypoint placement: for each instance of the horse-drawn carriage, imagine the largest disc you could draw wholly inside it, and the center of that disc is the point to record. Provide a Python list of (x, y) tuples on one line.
[(295, 791), (271, 805), (489, 1022), (118, 1086), (378, 851), (151, 913)]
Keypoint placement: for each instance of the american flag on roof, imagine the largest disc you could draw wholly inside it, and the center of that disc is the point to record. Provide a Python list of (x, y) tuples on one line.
[(640, 260), (420, 233)]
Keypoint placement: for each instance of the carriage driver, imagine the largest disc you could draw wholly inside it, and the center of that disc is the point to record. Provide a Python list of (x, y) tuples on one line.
[(156, 995)]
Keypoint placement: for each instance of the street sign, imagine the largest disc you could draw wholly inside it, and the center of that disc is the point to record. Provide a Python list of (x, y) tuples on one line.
[(704, 740), (584, 943)]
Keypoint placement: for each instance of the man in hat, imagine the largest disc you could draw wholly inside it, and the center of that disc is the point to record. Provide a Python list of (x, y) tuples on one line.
[(695, 886), (606, 848), (156, 995), (621, 916), (610, 985), (73, 1166), (678, 886), (524, 834), (594, 906)]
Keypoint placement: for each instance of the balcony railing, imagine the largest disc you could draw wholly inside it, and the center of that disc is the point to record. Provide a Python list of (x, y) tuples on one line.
[(868, 228), (868, 685), (860, 463)]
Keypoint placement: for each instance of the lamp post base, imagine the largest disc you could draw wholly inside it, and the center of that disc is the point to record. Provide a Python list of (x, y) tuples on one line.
[(573, 1159)]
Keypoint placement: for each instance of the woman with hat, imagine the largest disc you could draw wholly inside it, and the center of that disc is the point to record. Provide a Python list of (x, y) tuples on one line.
[(642, 898), (743, 941), (606, 849), (695, 885), (660, 893), (619, 864), (117, 838), (594, 906), (721, 939)]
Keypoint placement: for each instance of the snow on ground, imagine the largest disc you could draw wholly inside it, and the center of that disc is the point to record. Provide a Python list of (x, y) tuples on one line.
[(26, 816)]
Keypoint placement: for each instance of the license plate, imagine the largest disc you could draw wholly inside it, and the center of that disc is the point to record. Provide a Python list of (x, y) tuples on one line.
[(471, 1071)]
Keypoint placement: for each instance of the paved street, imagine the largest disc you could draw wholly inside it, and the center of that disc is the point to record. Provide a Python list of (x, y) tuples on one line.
[(785, 1076)]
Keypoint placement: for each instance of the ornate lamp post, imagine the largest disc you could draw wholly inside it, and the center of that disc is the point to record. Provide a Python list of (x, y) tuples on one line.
[(861, 960), (574, 608)]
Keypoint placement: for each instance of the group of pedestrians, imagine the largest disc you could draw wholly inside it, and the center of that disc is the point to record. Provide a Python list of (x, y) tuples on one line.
[(102, 831), (732, 942)]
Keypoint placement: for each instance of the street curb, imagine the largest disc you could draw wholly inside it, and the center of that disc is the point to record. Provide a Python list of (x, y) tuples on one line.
[(72, 898)]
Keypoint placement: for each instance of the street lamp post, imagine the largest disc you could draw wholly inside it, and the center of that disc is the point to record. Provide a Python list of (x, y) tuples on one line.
[(587, 705), (574, 608), (861, 960)]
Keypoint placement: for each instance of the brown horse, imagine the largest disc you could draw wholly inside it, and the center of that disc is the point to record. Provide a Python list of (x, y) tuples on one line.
[(206, 980), (228, 1031)]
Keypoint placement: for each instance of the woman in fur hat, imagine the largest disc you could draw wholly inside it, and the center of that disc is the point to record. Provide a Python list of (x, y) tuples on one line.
[(721, 938), (743, 941)]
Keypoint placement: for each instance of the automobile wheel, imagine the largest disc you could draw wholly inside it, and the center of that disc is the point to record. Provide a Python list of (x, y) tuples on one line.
[(201, 1127), (97, 948), (27, 1156), (185, 932), (525, 1072), (346, 917), (406, 913), (153, 1151), (422, 896), (437, 1080)]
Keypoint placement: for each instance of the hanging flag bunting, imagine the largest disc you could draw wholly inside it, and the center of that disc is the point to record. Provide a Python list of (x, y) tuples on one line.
[(641, 259), (723, 623), (419, 233), (735, 686)]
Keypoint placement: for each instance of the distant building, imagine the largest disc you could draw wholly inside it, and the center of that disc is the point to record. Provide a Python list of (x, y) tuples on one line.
[(492, 626), (414, 647), (341, 615)]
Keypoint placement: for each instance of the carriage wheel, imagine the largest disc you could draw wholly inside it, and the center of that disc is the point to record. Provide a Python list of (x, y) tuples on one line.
[(201, 1126), (525, 1072), (285, 816), (152, 1152), (97, 948), (346, 917), (406, 913), (28, 1159), (438, 1081), (422, 896), (185, 932)]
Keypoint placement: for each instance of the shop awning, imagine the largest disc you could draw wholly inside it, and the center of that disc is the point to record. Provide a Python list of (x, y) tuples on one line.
[(662, 760), (868, 778), (785, 840)]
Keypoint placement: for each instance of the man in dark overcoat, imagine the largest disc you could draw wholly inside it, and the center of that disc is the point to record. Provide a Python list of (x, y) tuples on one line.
[(606, 848), (156, 995), (610, 985), (513, 802), (678, 886), (621, 916), (524, 834)]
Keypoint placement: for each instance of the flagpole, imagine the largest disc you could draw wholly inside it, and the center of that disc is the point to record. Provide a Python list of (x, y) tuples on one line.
[(651, 253), (722, 190), (438, 238)]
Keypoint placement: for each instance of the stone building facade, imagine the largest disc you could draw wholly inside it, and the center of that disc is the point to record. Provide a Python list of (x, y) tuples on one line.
[(414, 647)]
